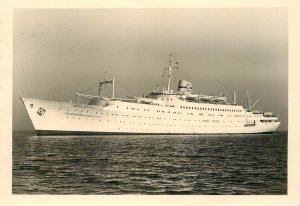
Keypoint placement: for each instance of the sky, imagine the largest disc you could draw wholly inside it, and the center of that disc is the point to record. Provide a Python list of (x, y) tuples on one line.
[(59, 52)]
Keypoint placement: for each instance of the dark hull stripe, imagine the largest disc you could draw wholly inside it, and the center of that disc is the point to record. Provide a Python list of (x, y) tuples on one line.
[(56, 132)]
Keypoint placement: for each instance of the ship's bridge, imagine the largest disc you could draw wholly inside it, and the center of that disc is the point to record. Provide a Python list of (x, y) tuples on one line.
[(164, 98), (161, 94)]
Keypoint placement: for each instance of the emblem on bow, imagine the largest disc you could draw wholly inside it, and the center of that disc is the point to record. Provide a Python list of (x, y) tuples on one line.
[(41, 111)]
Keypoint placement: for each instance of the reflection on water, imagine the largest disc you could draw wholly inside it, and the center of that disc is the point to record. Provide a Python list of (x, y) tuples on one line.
[(213, 164)]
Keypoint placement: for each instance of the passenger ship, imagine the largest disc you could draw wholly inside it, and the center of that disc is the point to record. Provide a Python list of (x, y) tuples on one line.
[(160, 112)]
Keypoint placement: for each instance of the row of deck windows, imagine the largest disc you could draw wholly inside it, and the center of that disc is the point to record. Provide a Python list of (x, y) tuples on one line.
[(211, 109), (174, 119), (162, 111), (205, 121), (186, 107), (196, 108)]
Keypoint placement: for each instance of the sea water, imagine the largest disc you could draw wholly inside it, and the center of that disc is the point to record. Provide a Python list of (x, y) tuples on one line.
[(139, 164)]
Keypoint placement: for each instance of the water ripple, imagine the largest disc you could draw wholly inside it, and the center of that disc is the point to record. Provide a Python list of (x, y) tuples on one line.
[(214, 164)]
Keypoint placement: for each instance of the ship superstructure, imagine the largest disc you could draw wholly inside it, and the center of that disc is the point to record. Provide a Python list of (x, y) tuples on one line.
[(159, 112)]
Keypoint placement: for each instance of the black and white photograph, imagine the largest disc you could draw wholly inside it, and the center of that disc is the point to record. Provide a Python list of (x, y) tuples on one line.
[(150, 101), (174, 103)]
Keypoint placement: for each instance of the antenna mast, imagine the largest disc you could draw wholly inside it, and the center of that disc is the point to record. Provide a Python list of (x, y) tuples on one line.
[(172, 65), (248, 97), (234, 98)]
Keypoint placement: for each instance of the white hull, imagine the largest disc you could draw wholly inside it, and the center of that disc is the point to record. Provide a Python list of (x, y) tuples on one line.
[(119, 117)]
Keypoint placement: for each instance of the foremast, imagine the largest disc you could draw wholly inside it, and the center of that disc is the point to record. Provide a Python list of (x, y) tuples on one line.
[(107, 81)]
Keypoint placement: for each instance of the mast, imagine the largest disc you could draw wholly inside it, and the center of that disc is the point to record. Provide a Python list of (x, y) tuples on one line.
[(172, 65), (234, 98), (107, 81), (248, 97), (113, 87)]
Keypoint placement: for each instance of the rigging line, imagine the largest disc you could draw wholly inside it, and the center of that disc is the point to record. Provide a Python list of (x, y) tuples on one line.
[(89, 88), (50, 91), (125, 87), (174, 81), (119, 83), (245, 102), (162, 82), (58, 89), (106, 91)]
